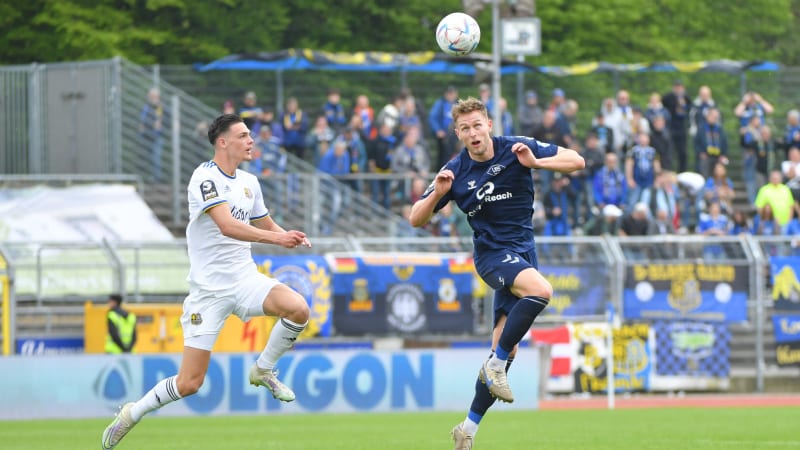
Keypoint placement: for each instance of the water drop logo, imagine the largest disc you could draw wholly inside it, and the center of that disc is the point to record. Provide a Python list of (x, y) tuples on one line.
[(113, 384)]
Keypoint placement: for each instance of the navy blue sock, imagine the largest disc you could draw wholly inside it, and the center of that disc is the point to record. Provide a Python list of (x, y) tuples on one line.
[(483, 400), (519, 322)]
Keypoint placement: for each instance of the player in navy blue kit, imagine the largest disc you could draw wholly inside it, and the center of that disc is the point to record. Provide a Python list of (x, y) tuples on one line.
[(490, 180)]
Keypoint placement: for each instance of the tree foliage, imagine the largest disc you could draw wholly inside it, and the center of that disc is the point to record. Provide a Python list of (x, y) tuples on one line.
[(186, 31)]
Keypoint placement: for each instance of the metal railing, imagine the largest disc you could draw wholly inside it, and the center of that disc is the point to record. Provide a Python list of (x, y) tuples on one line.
[(48, 110)]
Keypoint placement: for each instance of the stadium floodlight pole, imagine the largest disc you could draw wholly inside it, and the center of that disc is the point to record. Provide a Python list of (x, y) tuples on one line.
[(497, 116)]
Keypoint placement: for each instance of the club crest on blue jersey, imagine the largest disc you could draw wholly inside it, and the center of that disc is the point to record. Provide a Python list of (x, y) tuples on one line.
[(208, 190), (495, 169)]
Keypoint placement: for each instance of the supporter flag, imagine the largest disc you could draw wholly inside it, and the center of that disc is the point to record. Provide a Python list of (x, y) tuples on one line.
[(560, 351)]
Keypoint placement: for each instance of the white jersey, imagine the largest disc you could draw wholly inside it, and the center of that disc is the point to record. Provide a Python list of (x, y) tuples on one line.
[(217, 261)]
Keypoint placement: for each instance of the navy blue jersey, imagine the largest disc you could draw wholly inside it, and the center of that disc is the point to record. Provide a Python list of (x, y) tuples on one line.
[(496, 195)]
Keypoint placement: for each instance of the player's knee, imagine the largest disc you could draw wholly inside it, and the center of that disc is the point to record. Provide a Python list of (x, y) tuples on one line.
[(299, 312), (545, 290), (189, 385)]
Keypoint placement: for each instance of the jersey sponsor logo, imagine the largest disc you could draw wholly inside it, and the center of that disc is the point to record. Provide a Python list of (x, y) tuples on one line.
[(485, 194), (495, 169), (240, 214), (208, 190), (248, 193)]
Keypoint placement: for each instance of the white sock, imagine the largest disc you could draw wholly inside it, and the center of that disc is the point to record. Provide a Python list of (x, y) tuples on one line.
[(469, 427), (164, 392), (281, 339), (496, 363)]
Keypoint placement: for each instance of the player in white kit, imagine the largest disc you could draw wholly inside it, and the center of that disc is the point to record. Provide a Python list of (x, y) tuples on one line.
[(226, 214)]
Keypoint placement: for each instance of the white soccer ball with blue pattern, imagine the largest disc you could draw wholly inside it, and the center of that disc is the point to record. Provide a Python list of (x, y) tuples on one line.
[(458, 34)]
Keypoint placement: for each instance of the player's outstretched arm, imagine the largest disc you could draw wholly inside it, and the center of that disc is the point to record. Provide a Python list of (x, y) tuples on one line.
[(565, 160), (232, 228), (422, 211)]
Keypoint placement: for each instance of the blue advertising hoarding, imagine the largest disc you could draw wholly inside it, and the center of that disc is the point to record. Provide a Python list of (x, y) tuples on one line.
[(331, 381)]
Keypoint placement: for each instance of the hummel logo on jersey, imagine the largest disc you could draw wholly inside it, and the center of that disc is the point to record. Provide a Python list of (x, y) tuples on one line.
[(495, 169), (471, 185), (510, 260)]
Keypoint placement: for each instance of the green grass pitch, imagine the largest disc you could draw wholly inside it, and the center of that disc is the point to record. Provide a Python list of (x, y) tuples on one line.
[(668, 428)]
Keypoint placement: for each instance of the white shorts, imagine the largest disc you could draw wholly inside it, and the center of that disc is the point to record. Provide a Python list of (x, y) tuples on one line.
[(204, 311)]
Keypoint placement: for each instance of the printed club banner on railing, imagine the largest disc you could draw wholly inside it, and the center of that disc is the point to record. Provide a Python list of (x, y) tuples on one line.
[(578, 291), (410, 293), (787, 339), (579, 354), (692, 348), (785, 284), (310, 276), (710, 292)]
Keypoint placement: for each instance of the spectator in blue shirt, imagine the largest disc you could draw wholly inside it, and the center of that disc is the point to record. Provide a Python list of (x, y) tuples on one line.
[(714, 223), (753, 105), (441, 123), (641, 166), (336, 161), (610, 187), (334, 111)]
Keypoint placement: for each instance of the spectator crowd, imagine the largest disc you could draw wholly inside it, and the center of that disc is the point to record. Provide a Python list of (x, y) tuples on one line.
[(639, 177)]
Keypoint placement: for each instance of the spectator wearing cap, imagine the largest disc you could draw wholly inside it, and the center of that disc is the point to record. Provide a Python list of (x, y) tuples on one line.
[(678, 104), (334, 110), (604, 224), (529, 114), (441, 123)]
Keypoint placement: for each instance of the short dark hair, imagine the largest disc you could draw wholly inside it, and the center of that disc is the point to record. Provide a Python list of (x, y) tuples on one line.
[(116, 297), (220, 125)]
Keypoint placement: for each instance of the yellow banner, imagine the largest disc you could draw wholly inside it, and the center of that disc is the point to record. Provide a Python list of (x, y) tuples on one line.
[(158, 330)]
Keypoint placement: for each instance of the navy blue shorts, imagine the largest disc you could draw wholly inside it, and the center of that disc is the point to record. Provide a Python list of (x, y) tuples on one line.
[(499, 268)]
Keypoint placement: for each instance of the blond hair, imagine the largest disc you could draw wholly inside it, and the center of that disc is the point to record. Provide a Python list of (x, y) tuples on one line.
[(467, 106)]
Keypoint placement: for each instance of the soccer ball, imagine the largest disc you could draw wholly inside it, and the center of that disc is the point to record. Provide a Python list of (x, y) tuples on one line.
[(458, 34)]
